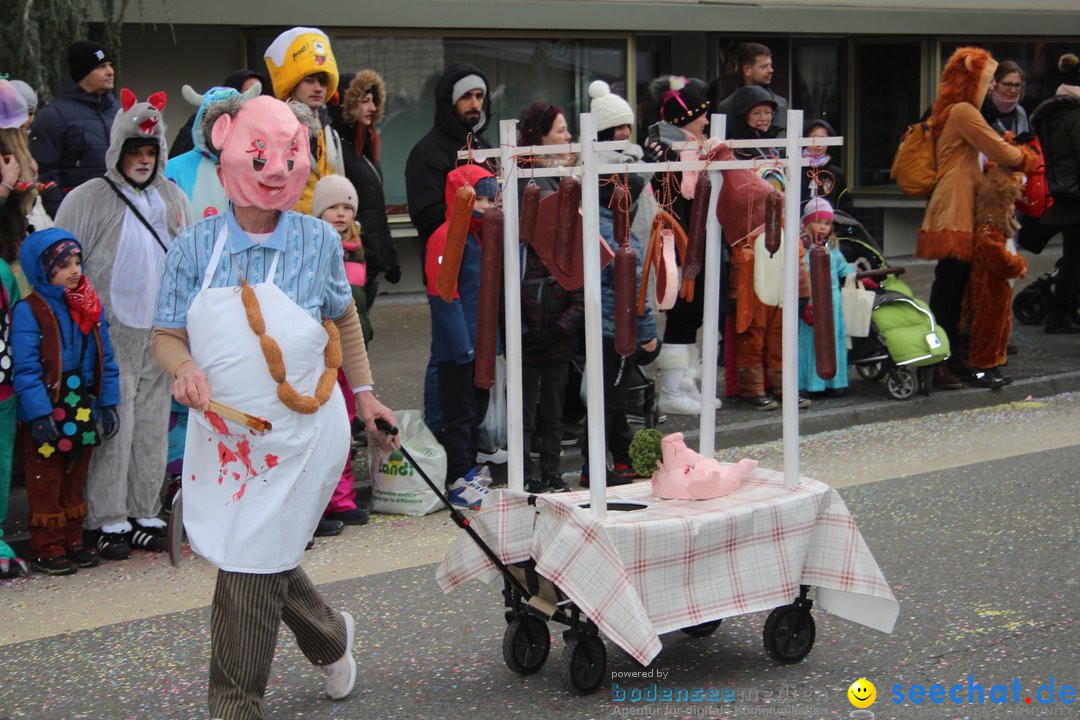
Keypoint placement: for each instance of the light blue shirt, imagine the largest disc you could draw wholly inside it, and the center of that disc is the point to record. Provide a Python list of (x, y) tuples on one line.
[(311, 270)]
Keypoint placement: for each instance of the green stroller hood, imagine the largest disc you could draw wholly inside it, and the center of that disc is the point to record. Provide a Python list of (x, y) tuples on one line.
[(908, 328)]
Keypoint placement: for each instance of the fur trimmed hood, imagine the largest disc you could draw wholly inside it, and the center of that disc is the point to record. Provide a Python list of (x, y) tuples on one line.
[(365, 81), (966, 78)]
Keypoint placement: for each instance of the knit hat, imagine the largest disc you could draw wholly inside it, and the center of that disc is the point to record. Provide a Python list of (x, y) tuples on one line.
[(1069, 65), (28, 95), (817, 208), (465, 85), (488, 187), (57, 254), (681, 100), (12, 106), (609, 110), (297, 53), (84, 56), (333, 190)]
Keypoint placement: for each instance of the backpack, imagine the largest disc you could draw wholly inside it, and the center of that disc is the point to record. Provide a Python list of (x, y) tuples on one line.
[(1036, 199), (914, 168)]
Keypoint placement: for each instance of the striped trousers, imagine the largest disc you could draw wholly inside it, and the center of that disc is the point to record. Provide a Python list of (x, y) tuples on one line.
[(244, 620)]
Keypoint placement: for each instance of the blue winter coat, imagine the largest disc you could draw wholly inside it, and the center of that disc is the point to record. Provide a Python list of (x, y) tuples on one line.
[(646, 322), (34, 401), (69, 138)]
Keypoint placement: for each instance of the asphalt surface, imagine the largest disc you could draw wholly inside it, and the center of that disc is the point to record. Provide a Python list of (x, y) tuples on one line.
[(966, 498)]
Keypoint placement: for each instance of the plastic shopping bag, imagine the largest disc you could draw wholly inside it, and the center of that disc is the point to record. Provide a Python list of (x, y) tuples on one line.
[(397, 488), (858, 305), (493, 427)]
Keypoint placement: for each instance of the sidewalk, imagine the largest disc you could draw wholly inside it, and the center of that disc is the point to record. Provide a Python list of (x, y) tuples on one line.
[(1045, 365)]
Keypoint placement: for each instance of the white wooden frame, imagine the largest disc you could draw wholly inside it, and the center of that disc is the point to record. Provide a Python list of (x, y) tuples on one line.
[(590, 170)]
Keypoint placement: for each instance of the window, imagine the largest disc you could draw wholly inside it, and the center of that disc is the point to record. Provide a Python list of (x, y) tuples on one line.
[(886, 100), (519, 71), (1038, 59), (819, 69)]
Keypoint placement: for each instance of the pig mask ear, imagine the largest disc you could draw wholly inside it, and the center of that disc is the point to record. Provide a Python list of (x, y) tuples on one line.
[(219, 134)]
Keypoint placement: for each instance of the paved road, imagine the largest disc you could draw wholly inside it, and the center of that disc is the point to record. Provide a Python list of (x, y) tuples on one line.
[(971, 516)]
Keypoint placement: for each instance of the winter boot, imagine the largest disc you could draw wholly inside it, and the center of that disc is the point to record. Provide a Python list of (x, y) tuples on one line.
[(692, 376), (675, 398)]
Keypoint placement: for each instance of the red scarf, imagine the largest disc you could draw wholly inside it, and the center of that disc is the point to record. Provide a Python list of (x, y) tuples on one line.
[(84, 305)]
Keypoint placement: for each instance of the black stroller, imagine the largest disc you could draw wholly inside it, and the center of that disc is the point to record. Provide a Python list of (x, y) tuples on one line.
[(1032, 304), (905, 339)]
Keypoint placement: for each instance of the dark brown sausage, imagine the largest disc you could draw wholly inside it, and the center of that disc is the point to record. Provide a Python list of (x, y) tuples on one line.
[(569, 201), (456, 233), (487, 304), (699, 219), (625, 317), (821, 297), (774, 218), (620, 214), (530, 206)]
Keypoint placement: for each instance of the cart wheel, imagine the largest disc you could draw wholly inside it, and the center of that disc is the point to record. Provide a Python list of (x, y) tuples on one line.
[(705, 629), (789, 634), (1029, 307), (871, 372), (902, 383), (526, 644), (584, 663)]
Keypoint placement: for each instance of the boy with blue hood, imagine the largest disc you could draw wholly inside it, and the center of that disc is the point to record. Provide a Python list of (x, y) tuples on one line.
[(66, 380)]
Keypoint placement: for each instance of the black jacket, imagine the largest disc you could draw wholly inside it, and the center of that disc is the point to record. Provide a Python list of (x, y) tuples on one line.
[(435, 155), (69, 138), (380, 253), (1057, 123)]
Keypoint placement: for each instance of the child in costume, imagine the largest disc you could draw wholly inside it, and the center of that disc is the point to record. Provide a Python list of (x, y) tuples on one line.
[(989, 301), (453, 341), (66, 379), (817, 221), (336, 203), (756, 286)]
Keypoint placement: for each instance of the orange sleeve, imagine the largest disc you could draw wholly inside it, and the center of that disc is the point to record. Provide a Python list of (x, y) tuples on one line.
[(972, 127)]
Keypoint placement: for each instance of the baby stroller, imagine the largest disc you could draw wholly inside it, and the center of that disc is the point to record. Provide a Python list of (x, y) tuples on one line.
[(1032, 304), (905, 339)]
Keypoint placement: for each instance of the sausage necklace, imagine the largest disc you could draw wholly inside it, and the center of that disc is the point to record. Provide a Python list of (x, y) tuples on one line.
[(275, 361)]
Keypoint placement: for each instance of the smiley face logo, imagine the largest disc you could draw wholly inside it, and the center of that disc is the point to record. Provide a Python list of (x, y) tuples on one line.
[(862, 693)]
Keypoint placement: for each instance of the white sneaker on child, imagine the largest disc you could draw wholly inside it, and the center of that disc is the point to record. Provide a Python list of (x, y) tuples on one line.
[(341, 675)]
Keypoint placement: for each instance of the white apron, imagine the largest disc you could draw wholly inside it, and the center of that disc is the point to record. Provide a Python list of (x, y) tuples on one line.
[(251, 502)]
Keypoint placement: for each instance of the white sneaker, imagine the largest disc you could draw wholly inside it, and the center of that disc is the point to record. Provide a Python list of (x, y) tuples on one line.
[(495, 457), (341, 675), (467, 494)]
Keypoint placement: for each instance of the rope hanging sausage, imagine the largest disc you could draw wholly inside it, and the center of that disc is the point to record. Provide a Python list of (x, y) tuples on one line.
[(275, 361)]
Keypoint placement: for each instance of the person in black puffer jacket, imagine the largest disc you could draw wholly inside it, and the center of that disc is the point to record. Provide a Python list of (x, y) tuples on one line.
[(70, 135), (361, 109), (459, 110), (1057, 123), (462, 106)]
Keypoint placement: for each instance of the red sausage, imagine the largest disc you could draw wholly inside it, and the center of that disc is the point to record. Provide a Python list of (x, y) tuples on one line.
[(625, 285), (569, 201), (487, 310), (699, 218), (460, 217), (774, 217), (821, 297), (530, 205)]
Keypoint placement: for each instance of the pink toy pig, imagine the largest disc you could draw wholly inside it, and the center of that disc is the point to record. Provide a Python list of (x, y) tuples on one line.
[(684, 474)]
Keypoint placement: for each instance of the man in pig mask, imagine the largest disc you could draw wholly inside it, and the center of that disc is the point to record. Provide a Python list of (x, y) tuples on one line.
[(252, 305)]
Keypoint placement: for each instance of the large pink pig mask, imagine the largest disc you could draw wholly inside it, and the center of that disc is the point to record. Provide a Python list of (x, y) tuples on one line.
[(264, 159)]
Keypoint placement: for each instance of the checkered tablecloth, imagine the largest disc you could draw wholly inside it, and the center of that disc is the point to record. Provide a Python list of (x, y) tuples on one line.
[(678, 563)]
